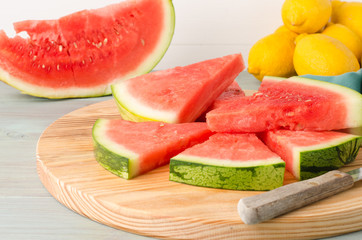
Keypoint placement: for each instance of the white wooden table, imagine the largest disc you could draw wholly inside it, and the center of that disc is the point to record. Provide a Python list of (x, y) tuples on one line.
[(27, 210)]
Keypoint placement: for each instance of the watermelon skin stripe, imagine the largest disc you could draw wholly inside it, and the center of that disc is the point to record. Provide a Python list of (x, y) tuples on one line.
[(114, 163), (329, 158), (310, 154), (112, 156), (258, 178)]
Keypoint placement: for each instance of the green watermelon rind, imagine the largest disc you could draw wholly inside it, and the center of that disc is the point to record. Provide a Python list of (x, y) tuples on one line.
[(112, 162), (312, 161), (353, 98), (100, 90), (248, 176), (113, 156)]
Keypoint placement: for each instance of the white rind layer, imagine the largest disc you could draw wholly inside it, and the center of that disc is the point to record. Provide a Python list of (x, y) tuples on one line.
[(99, 130), (227, 162), (297, 150), (53, 93), (127, 101)]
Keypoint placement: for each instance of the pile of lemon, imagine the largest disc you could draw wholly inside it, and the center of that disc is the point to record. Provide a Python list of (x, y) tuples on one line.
[(319, 37)]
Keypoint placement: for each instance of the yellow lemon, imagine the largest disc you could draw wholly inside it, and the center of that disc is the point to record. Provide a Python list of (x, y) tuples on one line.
[(348, 14), (319, 54), (272, 56), (283, 28), (306, 16), (346, 36), (335, 5)]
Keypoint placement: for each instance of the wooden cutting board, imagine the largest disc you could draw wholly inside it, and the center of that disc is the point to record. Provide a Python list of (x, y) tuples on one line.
[(151, 205)]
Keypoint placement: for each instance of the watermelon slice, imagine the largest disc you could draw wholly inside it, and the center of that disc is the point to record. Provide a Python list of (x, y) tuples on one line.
[(176, 95), (310, 154), (82, 54), (233, 92), (229, 161), (295, 104), (129, 149)]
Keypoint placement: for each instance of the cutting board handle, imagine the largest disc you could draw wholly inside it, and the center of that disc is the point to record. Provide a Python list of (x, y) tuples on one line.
[(265, 206)]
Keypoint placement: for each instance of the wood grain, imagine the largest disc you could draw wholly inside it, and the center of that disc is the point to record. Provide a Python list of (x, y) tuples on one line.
[(268, 205), (151, 205)]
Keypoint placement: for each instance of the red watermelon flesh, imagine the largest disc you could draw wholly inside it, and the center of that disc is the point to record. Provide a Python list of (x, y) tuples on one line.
[(128, 149), (179, 94), (81, 54), (295, 104), (232, 148), (233, 92)]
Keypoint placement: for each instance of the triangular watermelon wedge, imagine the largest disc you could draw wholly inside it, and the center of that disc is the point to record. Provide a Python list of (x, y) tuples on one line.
[(232, 93), (82, 54), (229, 161), (179, 94), (294, 104), (128, 149), (309, 154)]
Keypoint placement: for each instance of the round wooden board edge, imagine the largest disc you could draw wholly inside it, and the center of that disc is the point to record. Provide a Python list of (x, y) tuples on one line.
[(176, 227)]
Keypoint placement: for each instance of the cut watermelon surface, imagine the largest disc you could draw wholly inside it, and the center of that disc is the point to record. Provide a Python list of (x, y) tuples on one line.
[(233, 92), (229, 161), (179, 94), (310, 154), (128, 149), (295, 104), (82, 54)]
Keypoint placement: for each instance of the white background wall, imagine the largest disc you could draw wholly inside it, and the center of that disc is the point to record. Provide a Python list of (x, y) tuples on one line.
[(212, 28), (204, 28)]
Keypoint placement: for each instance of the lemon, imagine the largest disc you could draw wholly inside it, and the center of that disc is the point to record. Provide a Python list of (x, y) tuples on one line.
[(283, 28), (319, 54), (348, 14), (306, 16), (346, 36), (272, 56)]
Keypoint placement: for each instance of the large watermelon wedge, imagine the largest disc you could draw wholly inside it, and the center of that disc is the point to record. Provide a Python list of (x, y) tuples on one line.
[(310, 154), (233, 92), (295, 104), (129, 149), (179, 94), (82, 54), (229, 161)]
